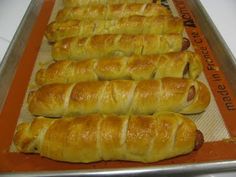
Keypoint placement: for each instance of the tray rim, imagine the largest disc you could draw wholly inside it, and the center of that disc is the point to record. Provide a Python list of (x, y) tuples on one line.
[(191, 168)]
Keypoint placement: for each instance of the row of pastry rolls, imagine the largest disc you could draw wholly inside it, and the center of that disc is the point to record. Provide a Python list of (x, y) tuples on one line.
[(127, 25), (111, 11), (136, 67), (110, 45), (151, 33), (72, 3), (98, 137), (120, 97), (114, 119)]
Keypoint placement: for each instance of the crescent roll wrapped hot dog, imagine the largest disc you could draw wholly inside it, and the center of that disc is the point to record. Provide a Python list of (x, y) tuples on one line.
[(111, 11), (72, 3), (129, 25), (94, 138), (106, 45), (182, 64), (120, 97)]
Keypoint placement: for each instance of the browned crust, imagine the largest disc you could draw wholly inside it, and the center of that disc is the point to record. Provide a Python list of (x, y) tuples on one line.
[(93, 138)]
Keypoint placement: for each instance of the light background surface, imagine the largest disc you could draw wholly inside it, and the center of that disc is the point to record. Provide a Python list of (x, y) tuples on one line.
[(11, 14)]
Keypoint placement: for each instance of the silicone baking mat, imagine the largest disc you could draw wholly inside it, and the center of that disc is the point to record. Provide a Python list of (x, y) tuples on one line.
[(217, 122)]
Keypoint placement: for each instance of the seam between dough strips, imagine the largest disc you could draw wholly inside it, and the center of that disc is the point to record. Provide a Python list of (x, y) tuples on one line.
[(113, 93), (86, 44), (100, 97), (67, 99), (69, 66), (151, 143), (179, 124), (124, 7), (161, 90), (95, 73), (131, 98), (143, 8), (155, 71), (94, 27), (43, 133), (116, 43), (99, 148), (107, 9), (124, 68), (127, 67), (124, 134), (185, 60)]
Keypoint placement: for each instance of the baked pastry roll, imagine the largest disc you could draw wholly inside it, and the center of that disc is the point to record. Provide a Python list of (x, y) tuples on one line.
[(120, 97), (72, 3), (182, 64), (111, 11), (106, 45), (129, 25), (94, 138)]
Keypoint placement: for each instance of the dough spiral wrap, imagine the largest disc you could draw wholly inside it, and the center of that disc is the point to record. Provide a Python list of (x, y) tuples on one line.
[(120, 97), (115, 45), (111, 11), (72, 3), (130, 25), (182, 64), (94, 138)]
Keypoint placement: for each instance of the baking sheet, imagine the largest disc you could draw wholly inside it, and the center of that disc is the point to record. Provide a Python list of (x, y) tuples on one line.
[(210, 123)]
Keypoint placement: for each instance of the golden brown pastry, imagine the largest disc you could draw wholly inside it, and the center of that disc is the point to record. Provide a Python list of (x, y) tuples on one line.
[(111, 11), (72, 3), (115, 45), (181, 64), (129, 25), (94, 138), (120, 97)]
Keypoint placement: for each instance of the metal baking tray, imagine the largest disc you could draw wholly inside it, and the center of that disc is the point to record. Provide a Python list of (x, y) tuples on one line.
[(16, 48), (218, 45), (219, 48)]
